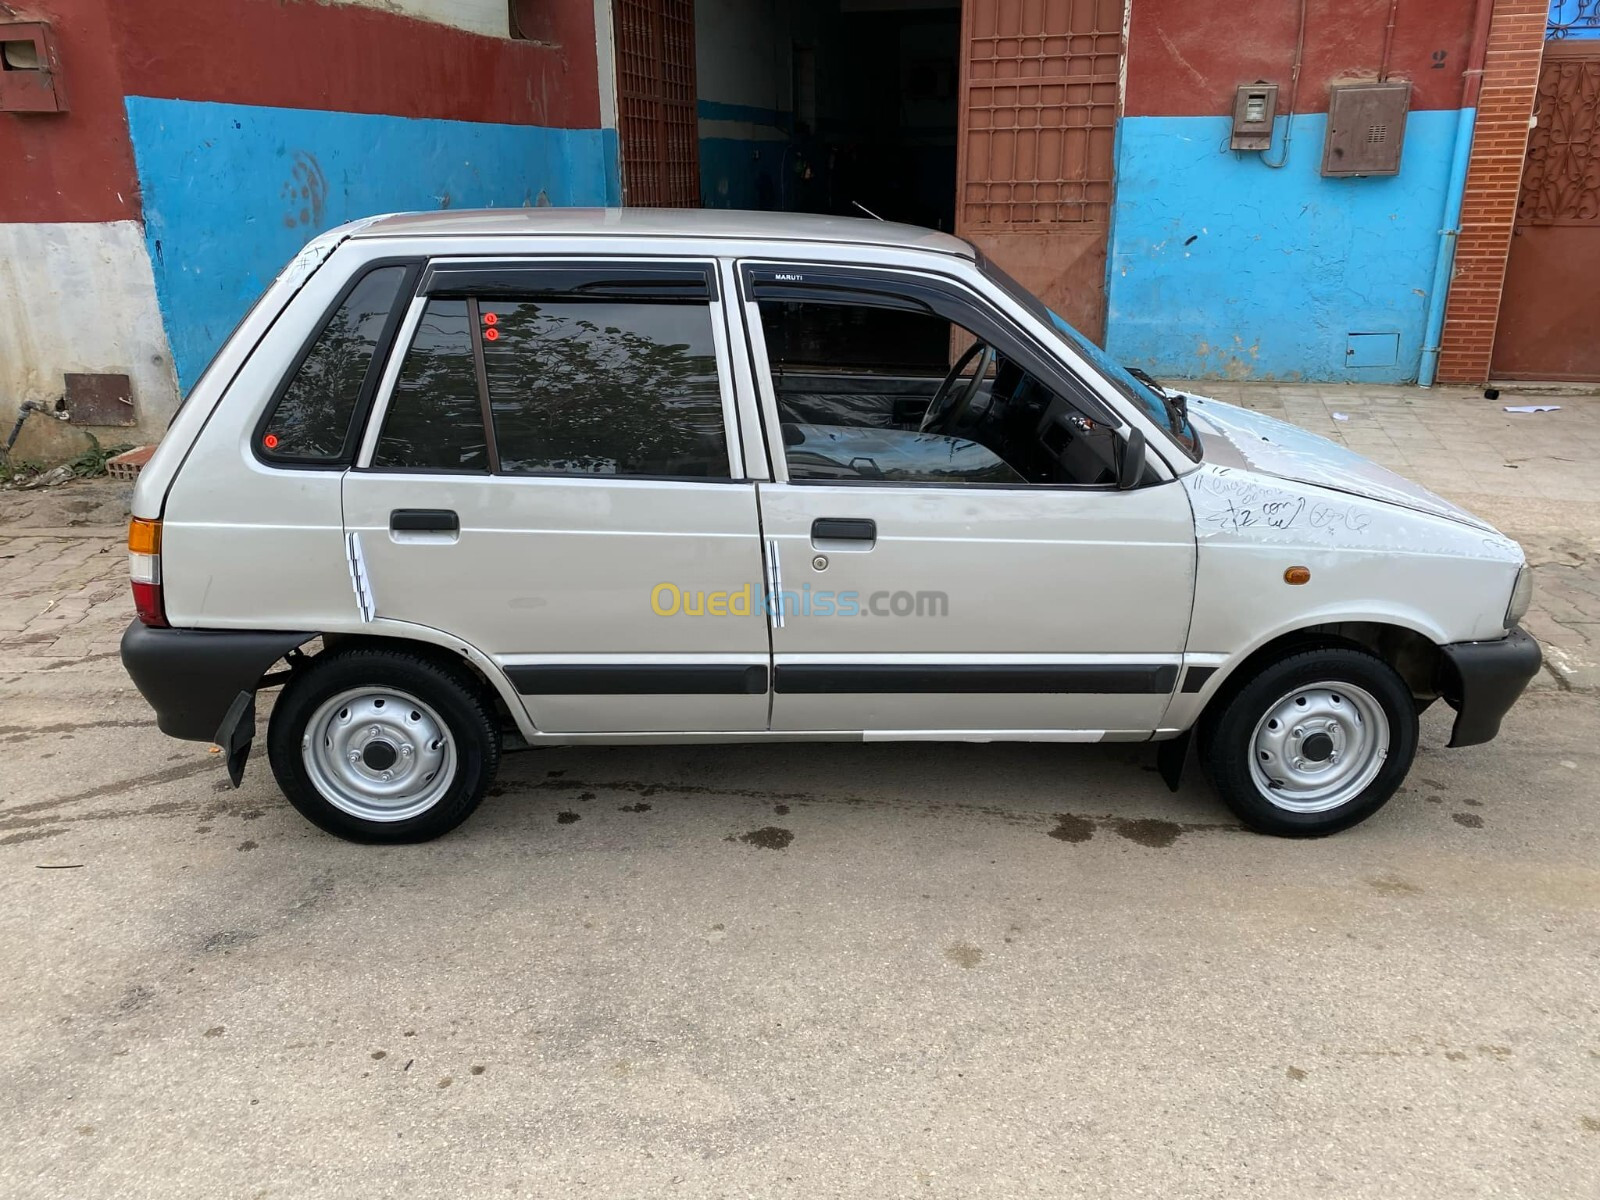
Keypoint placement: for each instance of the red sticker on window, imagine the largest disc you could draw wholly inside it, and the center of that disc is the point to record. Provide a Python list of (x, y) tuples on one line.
[(491, 334), (490, 319), (270, 441)]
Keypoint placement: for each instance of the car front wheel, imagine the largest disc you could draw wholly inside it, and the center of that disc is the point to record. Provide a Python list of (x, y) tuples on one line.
[(1313, 744), (381, 746)]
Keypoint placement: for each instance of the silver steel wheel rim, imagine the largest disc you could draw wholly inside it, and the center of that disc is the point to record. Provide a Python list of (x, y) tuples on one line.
[(378, 754), (1318, 747)]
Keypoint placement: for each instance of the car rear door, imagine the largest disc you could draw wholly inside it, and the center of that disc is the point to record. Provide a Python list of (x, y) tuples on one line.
[(554, 475), (952, 605)]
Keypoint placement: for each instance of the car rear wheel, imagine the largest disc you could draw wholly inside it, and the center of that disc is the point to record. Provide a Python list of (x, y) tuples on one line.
[(383, 746), (1313, 744)]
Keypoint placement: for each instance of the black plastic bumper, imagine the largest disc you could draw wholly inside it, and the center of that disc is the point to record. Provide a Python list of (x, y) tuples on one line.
[(1482, 680), (194, 678)]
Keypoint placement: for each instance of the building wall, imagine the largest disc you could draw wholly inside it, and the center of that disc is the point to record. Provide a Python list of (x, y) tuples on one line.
[(1221, 266), (1494, 178), (264, 125), (490, 17), (76, 288), (200, 154)]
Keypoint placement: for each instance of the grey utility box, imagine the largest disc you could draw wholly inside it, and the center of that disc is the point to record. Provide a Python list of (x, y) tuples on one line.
[(1366, 128)]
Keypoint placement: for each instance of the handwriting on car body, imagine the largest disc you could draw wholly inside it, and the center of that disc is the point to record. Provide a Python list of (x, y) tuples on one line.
[(1246, 505)]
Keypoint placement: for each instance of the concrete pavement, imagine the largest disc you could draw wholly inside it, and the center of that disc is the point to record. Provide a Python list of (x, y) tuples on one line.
[(807, 970)]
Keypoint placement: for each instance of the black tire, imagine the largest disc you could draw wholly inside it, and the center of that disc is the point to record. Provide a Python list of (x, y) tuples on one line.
[(453, 698), (1228, 732)]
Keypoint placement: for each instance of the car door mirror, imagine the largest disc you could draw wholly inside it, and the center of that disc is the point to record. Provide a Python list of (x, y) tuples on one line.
[(1130, 460)]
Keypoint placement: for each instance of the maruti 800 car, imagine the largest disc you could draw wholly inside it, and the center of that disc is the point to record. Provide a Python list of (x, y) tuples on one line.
[(468, 481)]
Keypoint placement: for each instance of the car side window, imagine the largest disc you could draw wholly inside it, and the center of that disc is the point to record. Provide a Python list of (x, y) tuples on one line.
[(602, 387), (435, 417), (312, 418), (881, 388)]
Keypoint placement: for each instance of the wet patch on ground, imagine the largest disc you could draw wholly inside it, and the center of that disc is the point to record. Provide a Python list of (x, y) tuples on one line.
[(964, 954), (1143, 831), (768, 838)]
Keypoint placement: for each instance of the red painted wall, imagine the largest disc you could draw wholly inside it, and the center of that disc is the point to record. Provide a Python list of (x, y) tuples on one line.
[(1186, 57), (78, 165), (303, 54)]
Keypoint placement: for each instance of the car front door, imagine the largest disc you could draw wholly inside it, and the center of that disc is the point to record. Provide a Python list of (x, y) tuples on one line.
[(929, 588), (553, 475)]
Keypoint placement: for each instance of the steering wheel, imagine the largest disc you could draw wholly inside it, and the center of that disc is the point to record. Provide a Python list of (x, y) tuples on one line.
[(947, 408)]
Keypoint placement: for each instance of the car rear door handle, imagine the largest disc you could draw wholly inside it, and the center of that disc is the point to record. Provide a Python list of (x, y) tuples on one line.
[(844, 529), (424, 520)]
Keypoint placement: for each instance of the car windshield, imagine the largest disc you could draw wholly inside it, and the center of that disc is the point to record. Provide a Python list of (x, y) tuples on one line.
[(1165, 410)]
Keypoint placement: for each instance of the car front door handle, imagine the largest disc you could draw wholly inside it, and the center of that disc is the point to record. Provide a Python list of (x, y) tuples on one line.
[(844, 529), (424, 520)]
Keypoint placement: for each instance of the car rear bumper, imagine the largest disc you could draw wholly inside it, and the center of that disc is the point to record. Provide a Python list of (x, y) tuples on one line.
[(1482, 680), (192, 677)]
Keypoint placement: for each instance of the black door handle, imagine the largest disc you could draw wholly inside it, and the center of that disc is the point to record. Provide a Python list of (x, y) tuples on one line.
[(844, 529), (424, 520)]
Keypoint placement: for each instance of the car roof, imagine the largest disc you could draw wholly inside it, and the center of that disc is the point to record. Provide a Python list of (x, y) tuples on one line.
[(698, 223)]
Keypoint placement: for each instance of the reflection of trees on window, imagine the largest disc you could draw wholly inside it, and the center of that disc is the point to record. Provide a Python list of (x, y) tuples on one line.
[(605, 388), (435, 416), (312, 420)]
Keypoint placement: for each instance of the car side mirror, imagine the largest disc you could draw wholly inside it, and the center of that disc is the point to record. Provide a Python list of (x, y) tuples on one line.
[(1130, 461)]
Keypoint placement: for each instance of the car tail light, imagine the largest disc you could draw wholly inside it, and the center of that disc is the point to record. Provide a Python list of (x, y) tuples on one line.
[(144, 570)]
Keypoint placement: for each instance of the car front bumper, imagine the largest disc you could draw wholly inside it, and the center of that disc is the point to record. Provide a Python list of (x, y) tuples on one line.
[(1482, 680)]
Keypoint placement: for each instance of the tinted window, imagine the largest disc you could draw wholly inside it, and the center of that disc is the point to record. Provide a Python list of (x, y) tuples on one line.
[(598, 388), (862, 417), (435, 417), (848, 337), (311, 422)]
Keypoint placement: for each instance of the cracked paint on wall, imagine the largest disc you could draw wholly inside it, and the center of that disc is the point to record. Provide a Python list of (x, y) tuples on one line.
[(232, 192), (1222, 268)]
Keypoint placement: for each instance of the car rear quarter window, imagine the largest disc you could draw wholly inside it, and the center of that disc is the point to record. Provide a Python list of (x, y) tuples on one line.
[(435, 417), (600, 387), (312, 419)]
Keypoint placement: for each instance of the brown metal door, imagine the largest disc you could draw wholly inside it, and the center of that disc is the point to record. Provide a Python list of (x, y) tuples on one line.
[(1038, 126), (658, 132), (1552, 288)]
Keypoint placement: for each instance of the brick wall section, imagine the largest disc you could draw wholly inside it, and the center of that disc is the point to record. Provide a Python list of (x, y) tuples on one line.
[(1499, 143)]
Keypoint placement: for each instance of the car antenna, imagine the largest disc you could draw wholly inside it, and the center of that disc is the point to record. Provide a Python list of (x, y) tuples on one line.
[(866, 210)]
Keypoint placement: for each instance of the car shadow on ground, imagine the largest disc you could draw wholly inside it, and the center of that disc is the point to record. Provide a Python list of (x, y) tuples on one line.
[(1068, 789)]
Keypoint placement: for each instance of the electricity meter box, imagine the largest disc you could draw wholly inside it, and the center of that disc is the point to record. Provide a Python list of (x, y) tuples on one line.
[(1366, 128), (1254, 106)]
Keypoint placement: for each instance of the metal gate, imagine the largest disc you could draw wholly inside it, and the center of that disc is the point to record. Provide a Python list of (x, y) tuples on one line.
[(658, 132), (1038, 125), (1552, 288)]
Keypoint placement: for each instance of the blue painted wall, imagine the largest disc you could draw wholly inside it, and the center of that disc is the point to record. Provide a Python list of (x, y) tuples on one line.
[(1221, 267), (231, 192)]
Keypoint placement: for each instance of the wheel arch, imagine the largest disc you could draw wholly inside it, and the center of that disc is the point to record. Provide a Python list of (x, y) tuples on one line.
[(451, 654), (1411, 652)]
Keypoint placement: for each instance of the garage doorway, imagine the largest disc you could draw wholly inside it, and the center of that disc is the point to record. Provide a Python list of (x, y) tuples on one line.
[(823, 105), (992, 118)]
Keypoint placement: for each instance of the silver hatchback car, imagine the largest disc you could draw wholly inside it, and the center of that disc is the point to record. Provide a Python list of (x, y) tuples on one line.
[(469, 481)]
